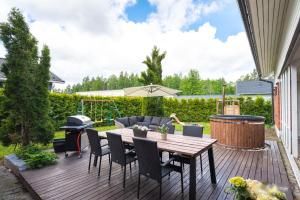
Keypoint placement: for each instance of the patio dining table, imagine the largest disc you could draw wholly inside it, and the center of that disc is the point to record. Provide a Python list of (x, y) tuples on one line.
[(188, 146)]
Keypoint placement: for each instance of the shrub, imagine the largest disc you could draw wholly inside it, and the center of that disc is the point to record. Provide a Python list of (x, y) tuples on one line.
[(40, 160), (34, 157)]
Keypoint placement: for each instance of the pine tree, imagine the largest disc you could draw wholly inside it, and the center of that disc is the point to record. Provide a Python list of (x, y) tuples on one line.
[(24, 92), (43, 130), (154, 68), (153, 75)]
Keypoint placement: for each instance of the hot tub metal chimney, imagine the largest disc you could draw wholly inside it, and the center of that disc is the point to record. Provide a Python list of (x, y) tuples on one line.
[(223, 100)]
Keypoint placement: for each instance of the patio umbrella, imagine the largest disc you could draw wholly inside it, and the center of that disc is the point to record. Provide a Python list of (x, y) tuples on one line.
[(150, 91)]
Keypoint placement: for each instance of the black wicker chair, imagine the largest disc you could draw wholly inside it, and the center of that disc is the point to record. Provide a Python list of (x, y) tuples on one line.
[(150, 165), (171, 128), (194, 131), (97, 149), (119, 154)]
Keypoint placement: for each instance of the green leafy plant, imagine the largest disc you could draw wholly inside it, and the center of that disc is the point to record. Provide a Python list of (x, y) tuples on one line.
[(238, 188), (252, 189), (34, 157), (40, 160), (163, 129)]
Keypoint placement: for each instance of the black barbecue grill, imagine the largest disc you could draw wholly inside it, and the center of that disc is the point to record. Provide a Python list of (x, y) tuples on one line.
[(75, 136)]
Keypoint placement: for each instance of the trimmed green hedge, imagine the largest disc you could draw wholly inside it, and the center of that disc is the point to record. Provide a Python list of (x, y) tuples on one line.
[(63, 105), (189, 110)]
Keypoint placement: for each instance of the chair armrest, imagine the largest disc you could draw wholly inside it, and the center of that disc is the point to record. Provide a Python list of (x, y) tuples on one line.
[(119, 124), (169, 122), (167, 162)]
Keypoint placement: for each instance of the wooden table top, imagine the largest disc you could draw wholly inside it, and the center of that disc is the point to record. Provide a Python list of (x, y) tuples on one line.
[(186, 145)]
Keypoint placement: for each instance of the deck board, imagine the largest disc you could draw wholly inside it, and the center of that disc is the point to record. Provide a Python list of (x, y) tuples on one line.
[(69, 179)]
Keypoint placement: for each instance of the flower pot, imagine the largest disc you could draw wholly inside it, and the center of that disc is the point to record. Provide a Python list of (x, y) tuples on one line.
[(163, 136), (139, 133)]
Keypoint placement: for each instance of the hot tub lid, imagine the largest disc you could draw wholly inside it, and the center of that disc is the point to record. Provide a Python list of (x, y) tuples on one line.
[(239, 117)]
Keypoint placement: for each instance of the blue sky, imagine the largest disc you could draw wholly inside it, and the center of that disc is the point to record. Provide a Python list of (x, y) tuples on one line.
[(105, 37), (227, 20)]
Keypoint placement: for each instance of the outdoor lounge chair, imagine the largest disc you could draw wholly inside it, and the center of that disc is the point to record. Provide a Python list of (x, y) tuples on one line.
[(96, 149), (119, 154), (151, 122), (150, 165)]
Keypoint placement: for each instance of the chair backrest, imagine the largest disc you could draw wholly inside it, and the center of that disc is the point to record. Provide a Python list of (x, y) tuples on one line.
[(116, 146), (195, 131), (148, 158), (171, 128), (94, 141)]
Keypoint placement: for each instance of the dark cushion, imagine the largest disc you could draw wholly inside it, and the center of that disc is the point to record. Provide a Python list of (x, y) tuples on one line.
[(132, 121), (165, 120), (140, 118), (124, 121), (142, 124), (155, 121), (153, 127), (147, 119)]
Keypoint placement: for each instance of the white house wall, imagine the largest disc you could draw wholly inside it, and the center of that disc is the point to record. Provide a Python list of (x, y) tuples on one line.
[(286, 135), (292, 17)]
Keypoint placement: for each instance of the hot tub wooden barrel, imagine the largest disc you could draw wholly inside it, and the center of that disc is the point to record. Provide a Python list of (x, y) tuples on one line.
[(238, 131)]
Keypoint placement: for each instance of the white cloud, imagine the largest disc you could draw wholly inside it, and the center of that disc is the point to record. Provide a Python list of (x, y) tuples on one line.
[(174, 14), (86, 39)]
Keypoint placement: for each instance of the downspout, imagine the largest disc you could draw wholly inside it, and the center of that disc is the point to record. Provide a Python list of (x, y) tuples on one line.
[(272, 93)]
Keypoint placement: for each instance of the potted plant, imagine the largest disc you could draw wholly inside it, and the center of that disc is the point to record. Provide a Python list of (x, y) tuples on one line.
[(163, 131), (140, 131), (252, 189)]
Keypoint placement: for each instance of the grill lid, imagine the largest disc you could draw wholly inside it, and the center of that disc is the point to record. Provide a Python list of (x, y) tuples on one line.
[(78, 120)]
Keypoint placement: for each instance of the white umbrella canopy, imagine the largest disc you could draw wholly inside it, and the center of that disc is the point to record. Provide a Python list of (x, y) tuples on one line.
[(150, 91)]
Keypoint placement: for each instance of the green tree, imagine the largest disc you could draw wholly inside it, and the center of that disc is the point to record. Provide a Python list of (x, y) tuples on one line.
[(191, 84), (250, 76), (173, 81), (153, 74), (24, 92), (43, 131)]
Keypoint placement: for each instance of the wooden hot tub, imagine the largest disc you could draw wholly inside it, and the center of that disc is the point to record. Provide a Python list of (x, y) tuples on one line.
[(238, 131)]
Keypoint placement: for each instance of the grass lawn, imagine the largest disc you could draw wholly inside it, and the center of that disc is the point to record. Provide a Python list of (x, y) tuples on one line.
[(206, 125), (6, 150)]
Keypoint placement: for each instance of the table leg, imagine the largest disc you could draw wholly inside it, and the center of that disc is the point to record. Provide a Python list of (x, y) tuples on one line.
[(212, 165), (192, 188)]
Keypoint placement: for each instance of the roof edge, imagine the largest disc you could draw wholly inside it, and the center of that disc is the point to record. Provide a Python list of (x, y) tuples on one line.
[(248, 27)]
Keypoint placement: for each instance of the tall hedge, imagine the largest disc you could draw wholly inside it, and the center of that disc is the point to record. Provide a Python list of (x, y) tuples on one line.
[(189, 110), (153, 106), (64, 105)]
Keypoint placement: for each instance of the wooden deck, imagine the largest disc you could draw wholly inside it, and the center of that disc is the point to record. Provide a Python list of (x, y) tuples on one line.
[(69, 178)]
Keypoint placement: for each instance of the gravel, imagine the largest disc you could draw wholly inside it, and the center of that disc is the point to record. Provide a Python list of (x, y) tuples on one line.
[(10, 187)]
